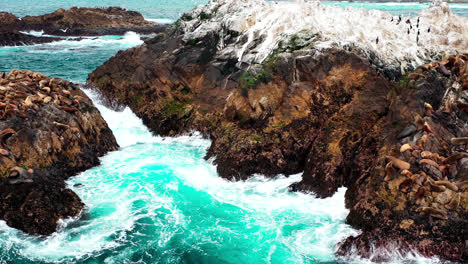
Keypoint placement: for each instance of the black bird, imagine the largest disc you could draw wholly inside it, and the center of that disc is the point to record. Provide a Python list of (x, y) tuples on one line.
[(377, 40), (391, 20), (408, 21), (410, 26), (428, 30)]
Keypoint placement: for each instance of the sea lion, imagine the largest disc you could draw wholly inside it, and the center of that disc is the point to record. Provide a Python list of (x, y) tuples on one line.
[(19, 175), (405, 147), (433, 212), (437, 188), (454, 203), (459, 141), (68, 109), (428, 129), (422, 141), (430, 162), (4, 152), (447, 184), (422, 192), (429, 109), (399, 164)]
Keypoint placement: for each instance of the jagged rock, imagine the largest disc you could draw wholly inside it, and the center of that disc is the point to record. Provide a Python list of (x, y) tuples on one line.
[(15, 38), (73, 22), (333, 113), (39, 155)]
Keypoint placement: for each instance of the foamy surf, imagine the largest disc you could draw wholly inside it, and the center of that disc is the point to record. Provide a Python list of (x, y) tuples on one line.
[(160, 201), (161, 20), (151, 194), (130, 39), (157, 200)]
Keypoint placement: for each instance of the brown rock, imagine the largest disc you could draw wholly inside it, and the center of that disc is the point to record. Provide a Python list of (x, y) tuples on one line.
[(40, 156)]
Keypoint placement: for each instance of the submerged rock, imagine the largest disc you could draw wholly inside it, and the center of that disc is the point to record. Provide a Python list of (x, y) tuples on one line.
[(49, 131), (333, 111)]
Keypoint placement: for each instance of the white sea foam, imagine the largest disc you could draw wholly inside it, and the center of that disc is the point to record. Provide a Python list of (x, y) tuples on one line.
[(34, 33), (68, 44), (143, 193), (131, 177), (161, 20), (265, 24)]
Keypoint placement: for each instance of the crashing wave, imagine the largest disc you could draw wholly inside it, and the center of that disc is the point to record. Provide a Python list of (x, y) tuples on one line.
[(260, 27)]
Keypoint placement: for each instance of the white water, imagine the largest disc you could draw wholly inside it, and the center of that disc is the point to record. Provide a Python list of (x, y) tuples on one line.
[(161, 20), (157, 197), (142, 196), (159, 194)]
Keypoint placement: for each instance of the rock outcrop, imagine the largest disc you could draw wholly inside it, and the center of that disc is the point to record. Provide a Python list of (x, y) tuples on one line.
[(16, 38), (73, 22), (397, 141), (414, 196), (49, 131)]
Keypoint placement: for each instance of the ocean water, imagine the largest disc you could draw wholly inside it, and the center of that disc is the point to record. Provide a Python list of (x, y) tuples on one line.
[(156, 200), (170, 10)]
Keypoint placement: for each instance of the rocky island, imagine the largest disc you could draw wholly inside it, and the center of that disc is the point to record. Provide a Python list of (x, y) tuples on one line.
[(389, 122), (49, 131), (73, 22)]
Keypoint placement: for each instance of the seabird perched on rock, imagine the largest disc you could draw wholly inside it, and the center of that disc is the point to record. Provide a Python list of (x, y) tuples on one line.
[(429, 30), (377, 40)]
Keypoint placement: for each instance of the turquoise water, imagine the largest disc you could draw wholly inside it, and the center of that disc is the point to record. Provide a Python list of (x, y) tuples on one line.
[(404, 9), (156, 200), (71, 60), (166, 9), (170, 10)]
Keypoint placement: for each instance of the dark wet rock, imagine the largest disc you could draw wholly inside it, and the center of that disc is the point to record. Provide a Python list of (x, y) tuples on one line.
[(16, 38), (73, 22), (49, 131)]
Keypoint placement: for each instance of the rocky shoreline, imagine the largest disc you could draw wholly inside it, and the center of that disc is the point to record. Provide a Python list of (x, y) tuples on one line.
[(50, 130), (73, 22), (394, 134), (396, 140)]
